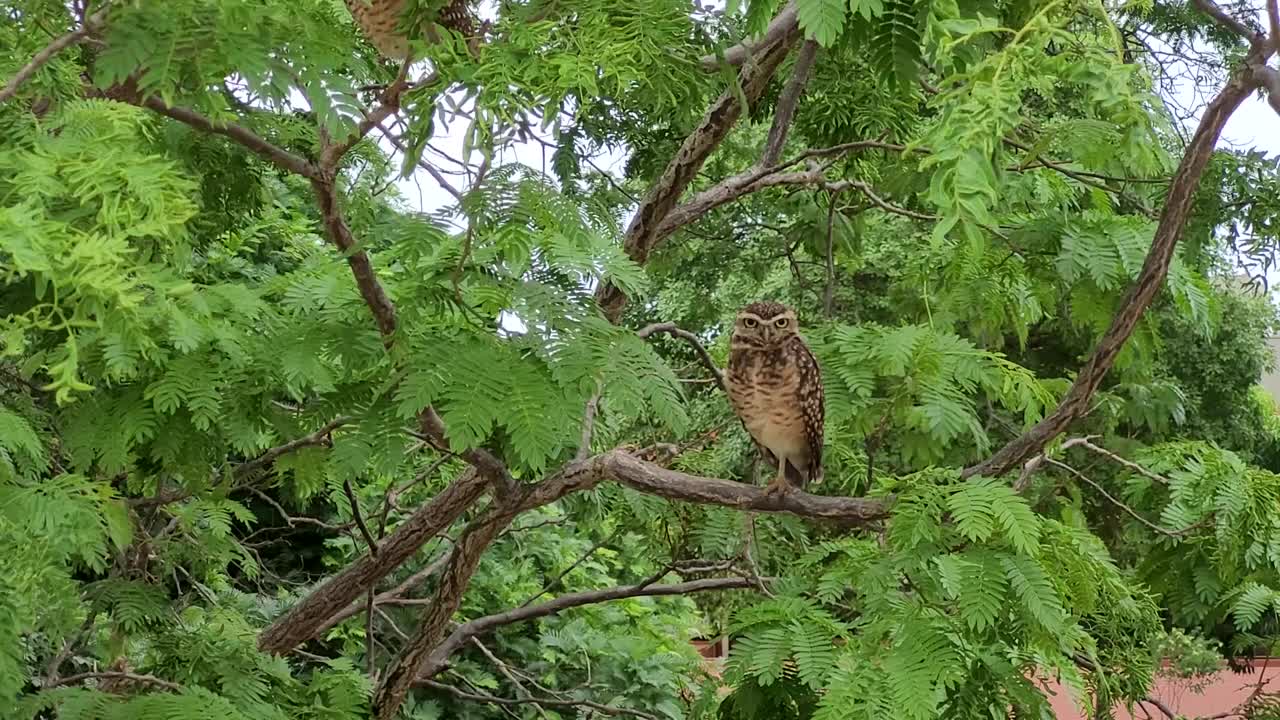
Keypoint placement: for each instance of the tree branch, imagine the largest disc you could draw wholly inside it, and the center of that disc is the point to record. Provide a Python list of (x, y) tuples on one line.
[(472, 628), (648, 478), (1226, 20), (314, 612), (282, 158), (124, 676), (1114, 501), (643, 234), (782, 25), (1273, 22), (675, 331), (1173, 218), (316, 438), (91, 26), (541, 702), (787, 102)]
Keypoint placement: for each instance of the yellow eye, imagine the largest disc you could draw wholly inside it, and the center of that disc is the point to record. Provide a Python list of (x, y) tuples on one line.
[(780, 322), (749, 322)]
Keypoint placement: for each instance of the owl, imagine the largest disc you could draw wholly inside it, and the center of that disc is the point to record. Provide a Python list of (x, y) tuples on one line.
[(775, 388), (379, 18)]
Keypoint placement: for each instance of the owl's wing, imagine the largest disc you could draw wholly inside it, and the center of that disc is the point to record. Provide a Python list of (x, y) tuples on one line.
[(813, 401)]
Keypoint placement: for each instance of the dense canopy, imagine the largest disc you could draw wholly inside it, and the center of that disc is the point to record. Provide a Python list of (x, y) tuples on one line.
[(278, 440)]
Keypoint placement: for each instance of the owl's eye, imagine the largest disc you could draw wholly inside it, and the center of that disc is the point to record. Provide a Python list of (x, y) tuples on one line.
[(780, 322), (749, 322)]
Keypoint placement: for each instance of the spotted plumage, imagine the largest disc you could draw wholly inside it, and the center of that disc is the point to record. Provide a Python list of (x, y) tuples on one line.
[(379, 19), (775, 388)]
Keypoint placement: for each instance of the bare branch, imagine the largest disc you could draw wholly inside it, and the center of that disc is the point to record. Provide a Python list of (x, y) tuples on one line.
[(316, 438), (643, 234), (394, 596), (876, 200), (1114, 501), (91, 26), (359, 520), (1084, 443), (453, 582), (787, 103), (282, 158), (551, 584), (118, 676), (1169, 230), (779, 27), (541, 702), (675, 331), (480, 626)]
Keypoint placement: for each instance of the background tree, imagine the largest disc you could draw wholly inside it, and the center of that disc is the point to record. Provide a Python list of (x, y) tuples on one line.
[(275, 444)]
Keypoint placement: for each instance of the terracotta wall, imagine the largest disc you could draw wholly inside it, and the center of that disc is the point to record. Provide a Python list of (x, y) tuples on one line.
[(1217, 694), (1208, 697)]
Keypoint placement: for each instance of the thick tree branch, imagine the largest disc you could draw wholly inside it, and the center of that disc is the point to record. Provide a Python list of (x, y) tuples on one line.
[(788, 101), (91, 26), (642, 234), (1173, 219), (1226, 20), (453, 582), (314, 612), (782, 25), (673, 485), (282, 158), (1273, 22)]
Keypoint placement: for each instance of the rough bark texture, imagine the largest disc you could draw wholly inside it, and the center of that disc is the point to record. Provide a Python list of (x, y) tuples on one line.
[(1173, 218), (313, 612), (643, 233)]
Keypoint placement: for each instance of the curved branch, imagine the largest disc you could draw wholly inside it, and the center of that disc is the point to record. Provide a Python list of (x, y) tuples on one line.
[(1173, 219), (675, 331), (280, 157), (472, 628), (91, 25)]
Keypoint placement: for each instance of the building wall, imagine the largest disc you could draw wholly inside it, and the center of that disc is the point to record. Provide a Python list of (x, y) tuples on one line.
[(1271, 379)]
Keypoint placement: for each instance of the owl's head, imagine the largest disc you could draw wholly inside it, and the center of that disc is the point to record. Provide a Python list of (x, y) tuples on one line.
[(764, 325)]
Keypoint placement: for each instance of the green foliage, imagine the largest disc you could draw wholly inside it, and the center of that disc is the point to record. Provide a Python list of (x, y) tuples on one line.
[(175, 327)]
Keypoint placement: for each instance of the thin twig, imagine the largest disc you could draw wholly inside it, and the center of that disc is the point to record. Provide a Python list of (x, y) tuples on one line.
[(551, 584), (1114, 501), (1084, 443), (675, 331), (829, 292), (112, 675), (542, 702), (359, 517)]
